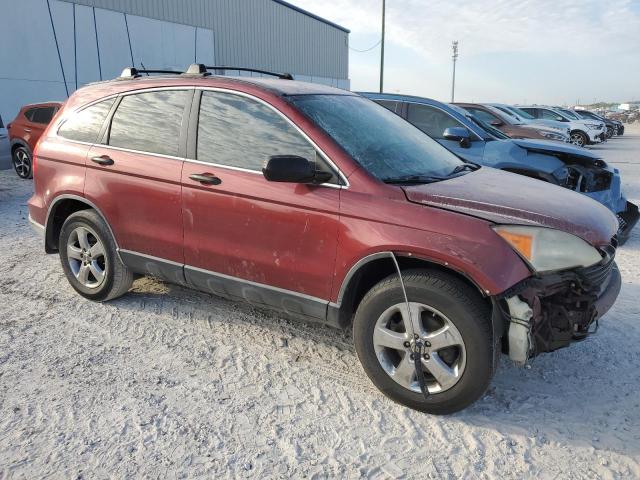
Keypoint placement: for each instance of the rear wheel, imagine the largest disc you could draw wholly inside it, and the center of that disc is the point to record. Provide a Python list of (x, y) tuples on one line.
[(22, 162), (89, 258), (579, 139), (453, 321)]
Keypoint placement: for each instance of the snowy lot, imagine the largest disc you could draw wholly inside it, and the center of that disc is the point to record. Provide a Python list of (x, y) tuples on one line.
[(167, 382)]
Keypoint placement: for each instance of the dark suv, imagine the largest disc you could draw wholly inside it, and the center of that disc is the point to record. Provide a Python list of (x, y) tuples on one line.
[(325, 206)]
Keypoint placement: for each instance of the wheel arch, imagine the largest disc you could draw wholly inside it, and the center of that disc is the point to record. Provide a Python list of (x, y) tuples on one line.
[(369, 270), (18, 142), (59, 210)]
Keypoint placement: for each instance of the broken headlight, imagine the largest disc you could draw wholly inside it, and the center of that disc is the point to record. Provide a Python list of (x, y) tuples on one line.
[(547, 249)]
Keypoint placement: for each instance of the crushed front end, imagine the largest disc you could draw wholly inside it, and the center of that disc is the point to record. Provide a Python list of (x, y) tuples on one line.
[(549, 311), (603, 184)]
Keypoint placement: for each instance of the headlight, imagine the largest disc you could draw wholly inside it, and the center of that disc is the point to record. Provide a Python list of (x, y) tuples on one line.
[(547, 249), (593, 126), (551, 135)]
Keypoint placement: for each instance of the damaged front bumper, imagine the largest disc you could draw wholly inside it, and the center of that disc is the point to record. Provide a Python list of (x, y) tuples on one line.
[(550, 311)]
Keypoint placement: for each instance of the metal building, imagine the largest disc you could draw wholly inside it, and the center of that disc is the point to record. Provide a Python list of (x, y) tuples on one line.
[(52, 47)]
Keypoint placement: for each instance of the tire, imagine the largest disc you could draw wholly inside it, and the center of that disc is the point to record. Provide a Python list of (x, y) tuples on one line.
[(579, 139), (457, 303), (22, 164), (610, 132), (82, 265)]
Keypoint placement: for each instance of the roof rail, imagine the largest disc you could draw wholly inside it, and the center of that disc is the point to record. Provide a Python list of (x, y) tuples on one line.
[(132, 72), (201, 69)]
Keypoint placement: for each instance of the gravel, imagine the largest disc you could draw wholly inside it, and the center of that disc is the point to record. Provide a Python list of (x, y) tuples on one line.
[(172, 383)]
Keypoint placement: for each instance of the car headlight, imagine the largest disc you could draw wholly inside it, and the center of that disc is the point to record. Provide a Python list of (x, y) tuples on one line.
[(547, 249), (551, 135), (593, 126)]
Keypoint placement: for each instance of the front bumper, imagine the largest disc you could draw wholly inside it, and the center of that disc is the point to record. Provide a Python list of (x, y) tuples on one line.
[(36, 227), (565, 306)]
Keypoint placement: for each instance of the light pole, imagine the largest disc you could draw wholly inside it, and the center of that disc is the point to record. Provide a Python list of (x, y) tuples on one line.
[(382, 50), (454, 46)]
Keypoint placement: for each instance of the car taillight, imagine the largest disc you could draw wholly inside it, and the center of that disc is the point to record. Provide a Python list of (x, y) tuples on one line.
[(8, 127)]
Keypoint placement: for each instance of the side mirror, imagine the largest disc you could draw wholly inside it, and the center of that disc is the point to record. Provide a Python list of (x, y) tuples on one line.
[(292, 169), (497, 123), (458, 134)]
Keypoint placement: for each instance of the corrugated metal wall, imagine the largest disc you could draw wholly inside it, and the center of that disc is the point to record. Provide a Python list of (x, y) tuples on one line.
[(261, 34)]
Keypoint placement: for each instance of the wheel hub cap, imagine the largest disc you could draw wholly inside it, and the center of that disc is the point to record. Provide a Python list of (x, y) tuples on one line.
[(444, 353)]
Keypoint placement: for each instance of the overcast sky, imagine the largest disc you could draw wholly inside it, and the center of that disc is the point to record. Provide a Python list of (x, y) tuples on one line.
[(534, 51)]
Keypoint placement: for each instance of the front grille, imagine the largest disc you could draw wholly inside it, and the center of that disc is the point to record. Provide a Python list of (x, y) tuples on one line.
[(595, 275)]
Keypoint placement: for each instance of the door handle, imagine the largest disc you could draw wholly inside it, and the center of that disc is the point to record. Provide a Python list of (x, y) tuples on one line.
[(206, 178), (103, 160), (27, 130)]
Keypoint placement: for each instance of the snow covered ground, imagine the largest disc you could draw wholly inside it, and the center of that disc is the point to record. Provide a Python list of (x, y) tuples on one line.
[(167, 382)]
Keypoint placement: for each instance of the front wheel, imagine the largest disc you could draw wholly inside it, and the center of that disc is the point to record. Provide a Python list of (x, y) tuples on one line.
[(579, 139), (21, 159), (454, 323)]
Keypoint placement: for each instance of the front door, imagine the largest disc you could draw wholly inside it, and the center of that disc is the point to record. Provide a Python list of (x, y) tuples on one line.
[(434, 121), (272, 244)]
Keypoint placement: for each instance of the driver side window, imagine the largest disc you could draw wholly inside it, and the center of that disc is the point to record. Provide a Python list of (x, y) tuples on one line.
[(240, 132), (431, 120)]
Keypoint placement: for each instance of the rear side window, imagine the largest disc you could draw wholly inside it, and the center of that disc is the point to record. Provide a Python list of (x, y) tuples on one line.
[(241, 132), (390, 105), (85, 125), (43, 115), (430, 120), (29, 114), (149, 122)]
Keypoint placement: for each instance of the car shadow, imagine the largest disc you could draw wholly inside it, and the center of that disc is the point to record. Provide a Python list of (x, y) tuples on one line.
[(585, 395)]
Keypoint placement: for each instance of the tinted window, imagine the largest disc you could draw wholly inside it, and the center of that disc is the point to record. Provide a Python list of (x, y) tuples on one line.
[(430, 120), (241, 132), (149, 122), (551, 115), (380, 141), (481, 114), (43, 115), (389, 105), (85, 125), (29, 114)]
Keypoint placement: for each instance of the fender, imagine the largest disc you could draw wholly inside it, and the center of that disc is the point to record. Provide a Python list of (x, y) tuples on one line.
[(69, 196), (390, 254), (22, 143)]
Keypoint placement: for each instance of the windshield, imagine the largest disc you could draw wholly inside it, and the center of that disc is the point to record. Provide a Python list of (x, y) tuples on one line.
[(522, 113), (380, 141), (569, 114), (494, 132)]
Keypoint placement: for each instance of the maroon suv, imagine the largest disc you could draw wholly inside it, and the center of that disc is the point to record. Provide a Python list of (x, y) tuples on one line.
[(327, 207)]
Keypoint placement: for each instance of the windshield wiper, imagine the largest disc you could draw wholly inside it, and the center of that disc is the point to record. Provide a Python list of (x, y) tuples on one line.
[(413, 179), (465, 166)]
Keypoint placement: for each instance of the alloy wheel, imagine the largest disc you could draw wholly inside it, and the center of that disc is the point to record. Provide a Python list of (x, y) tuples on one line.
[(86, 257), (22, 163), (577, 139), (445, 358)]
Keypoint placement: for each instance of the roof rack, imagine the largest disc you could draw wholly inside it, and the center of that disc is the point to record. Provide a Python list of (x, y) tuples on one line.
[(132, 72), (201, 69)]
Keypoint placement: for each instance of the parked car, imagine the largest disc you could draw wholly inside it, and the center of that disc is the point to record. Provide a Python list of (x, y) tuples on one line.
[(582, 132), (25, 131), (611, 125), (4, 145), (473, 140), (528, 119), (322, 204), (575, 116), (511, 126)]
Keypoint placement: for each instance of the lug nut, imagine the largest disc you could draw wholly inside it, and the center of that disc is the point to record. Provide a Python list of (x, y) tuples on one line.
[(406, 344), (425, 356), (427, 344), (412, 357)]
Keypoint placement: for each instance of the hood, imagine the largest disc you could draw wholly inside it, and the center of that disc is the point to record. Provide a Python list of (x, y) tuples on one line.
[(547, 146), (508, 198)]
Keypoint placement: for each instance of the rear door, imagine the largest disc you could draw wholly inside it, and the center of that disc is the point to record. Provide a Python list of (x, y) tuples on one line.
[(434, 121), (133, 176), (269, 243)]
